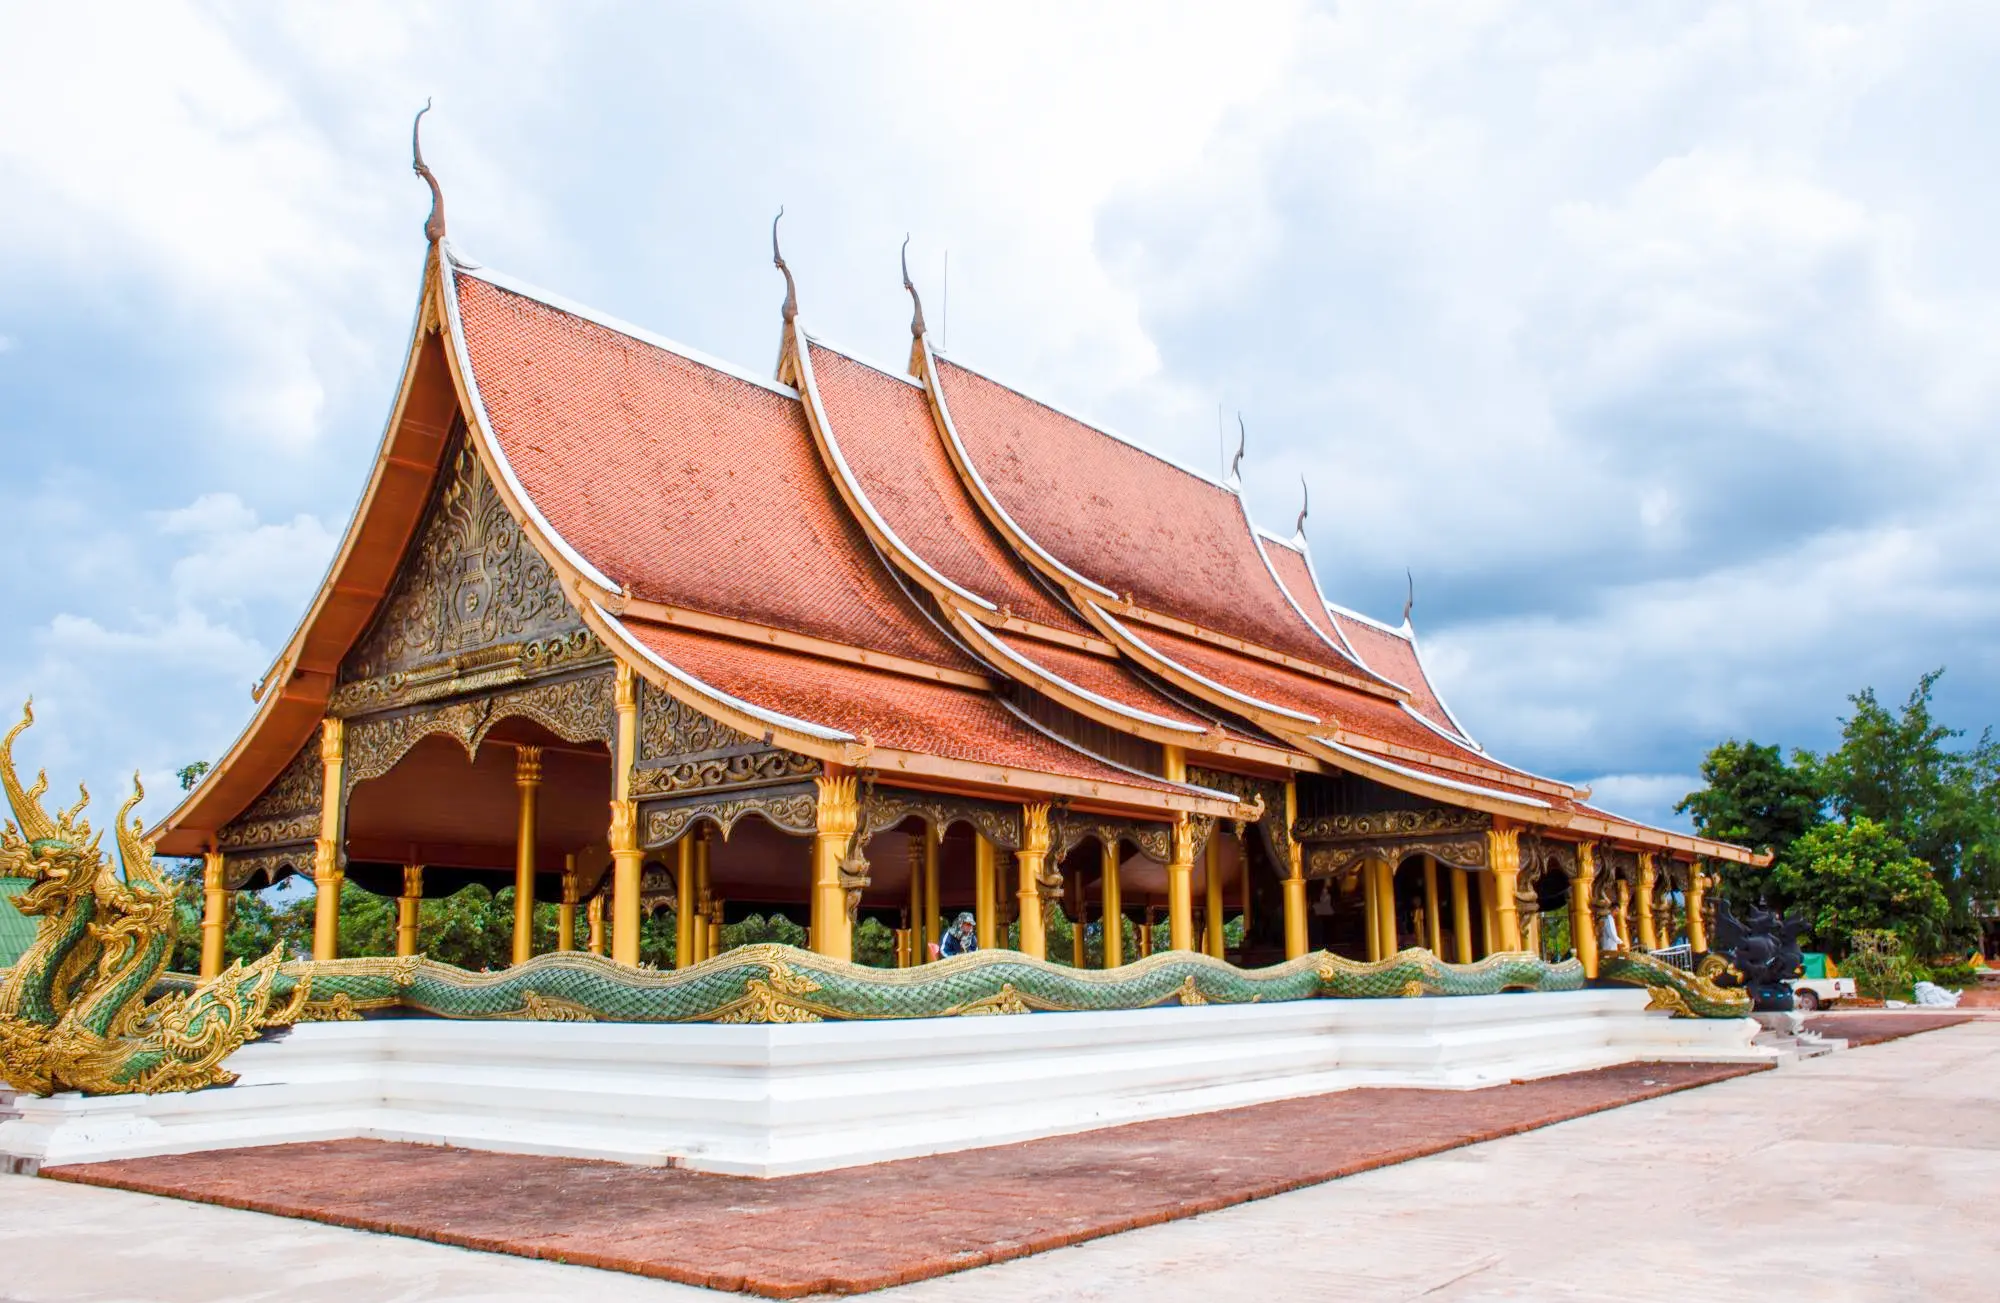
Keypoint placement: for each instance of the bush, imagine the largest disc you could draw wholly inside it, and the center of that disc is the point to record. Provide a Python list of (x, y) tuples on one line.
[(1882, 966), (1956, 976)]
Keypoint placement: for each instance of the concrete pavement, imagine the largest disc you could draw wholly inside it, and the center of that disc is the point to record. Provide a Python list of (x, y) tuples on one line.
[(1863, 1175)]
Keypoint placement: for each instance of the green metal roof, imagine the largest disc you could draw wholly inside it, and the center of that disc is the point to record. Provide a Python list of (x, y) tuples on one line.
[(17, 930)]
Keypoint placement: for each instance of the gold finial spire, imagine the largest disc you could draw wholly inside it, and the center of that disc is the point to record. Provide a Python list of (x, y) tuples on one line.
[(434, 225), (791, 309), (33, 820), (916, 316)]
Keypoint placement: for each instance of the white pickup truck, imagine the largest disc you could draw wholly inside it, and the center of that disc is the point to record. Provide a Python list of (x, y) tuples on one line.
[(1810, 994)]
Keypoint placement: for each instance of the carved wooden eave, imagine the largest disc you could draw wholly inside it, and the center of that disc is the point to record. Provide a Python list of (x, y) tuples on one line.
[(292, 698)]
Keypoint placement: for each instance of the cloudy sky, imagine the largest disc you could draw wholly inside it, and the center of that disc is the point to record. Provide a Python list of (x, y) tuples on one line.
[(1659, 341)]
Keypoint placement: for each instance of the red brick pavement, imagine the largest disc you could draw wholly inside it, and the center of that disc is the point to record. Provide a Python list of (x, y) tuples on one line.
[(1870, 1028), (868, 1228)]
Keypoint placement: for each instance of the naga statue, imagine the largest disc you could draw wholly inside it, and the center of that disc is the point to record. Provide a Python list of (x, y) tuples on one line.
[(75, 1012), (1763, 950)]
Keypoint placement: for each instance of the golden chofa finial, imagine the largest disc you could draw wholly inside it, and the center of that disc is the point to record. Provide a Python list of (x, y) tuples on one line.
[(791, 309), (26, 803), (434, 225), (917, 313)]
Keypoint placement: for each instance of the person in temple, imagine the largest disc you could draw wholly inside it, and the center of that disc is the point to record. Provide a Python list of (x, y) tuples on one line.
[(962, 938)]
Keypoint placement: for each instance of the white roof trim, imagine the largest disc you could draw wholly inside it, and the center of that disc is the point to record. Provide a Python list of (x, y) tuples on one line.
[(862, 359), (1130, 712), (1438, 780), (853, 483), (609, 322), (1457, 739), (1126, 632), (1053, 736), (687, 680), (1368, 620), (964, 459), (1106, 431), (1417, 650), (482, 427), (1339, 649)]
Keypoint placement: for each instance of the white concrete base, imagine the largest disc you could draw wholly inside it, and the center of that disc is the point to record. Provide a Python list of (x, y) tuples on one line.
[(776, 1100)]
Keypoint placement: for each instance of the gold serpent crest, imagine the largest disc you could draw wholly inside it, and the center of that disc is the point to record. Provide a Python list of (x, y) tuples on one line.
[(74, 1013)]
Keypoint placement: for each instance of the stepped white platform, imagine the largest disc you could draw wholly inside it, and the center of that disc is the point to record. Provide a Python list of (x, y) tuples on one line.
[(777, 1100)]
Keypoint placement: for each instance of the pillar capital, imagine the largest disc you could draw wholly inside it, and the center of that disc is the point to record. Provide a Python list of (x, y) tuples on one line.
[(624, 688), (332, 739), (413, 879), (527, 766)]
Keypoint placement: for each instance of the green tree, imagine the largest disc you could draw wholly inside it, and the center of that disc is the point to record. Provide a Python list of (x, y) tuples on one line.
[(1860, 877), (1755, 798), (1901, 770)]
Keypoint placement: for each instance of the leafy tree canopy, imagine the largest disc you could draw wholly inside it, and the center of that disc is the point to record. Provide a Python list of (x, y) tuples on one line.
[(1859, 876)]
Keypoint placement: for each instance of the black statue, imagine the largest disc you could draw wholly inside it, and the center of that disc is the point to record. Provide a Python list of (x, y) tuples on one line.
[(1764, 948)]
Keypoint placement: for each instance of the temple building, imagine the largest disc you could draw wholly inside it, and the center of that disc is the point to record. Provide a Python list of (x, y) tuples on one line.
[(625, 627)]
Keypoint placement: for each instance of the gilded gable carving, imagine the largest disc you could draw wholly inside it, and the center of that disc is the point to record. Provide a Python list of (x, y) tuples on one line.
[(669, 729), (471, 580), (288, 810)]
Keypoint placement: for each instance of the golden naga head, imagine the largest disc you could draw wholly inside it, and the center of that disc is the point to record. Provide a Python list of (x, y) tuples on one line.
[(33, 842)]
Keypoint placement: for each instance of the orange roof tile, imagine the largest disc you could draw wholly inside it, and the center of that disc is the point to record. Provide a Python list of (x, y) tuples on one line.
[(887, 435), (1394, 657), (895, 712), (1114, 680), (689, 485), (1176, 543)]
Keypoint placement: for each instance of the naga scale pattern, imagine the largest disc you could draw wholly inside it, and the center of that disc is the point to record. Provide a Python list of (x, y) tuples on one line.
[(774, 984)]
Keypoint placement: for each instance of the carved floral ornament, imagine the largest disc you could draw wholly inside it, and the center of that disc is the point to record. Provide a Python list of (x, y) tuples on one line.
[(884, 808), (793, 809), (288, 810), (472, 580), (576, 710), (1469, 853), (1277, 835)]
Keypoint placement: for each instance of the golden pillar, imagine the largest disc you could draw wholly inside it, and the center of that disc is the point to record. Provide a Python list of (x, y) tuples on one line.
[(409, 909), (839, 816), (985, 889), (713, 933), (1074, 906), (1243, 883), (1371, 910), (1582, 918), (686, 893), (1180, 885), (933, 918), (704, 909), (1648, 938), (1112, 905), (915, 859), (1697, 901), (1297, 936), (1624, 919), (626, 857), (328, 871), (566, 910), (1503, 851), (595, 914), (1489, 917), (1147, 921), (527, 787), (214, 913), (1392, 939), (1031, 861), (1461, 916), (1434, 923), (1211, 884)]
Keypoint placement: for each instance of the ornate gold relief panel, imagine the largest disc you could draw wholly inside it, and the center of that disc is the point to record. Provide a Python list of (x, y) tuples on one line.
[(288, 810), (884, 808), (471, 580), (574, 709), (1457, 852), (793, 809), (683, 750), (1338, 843), (1277, 836)]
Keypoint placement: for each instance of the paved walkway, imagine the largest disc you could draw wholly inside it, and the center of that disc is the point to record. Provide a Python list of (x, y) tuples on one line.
[(1864, 1175)]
